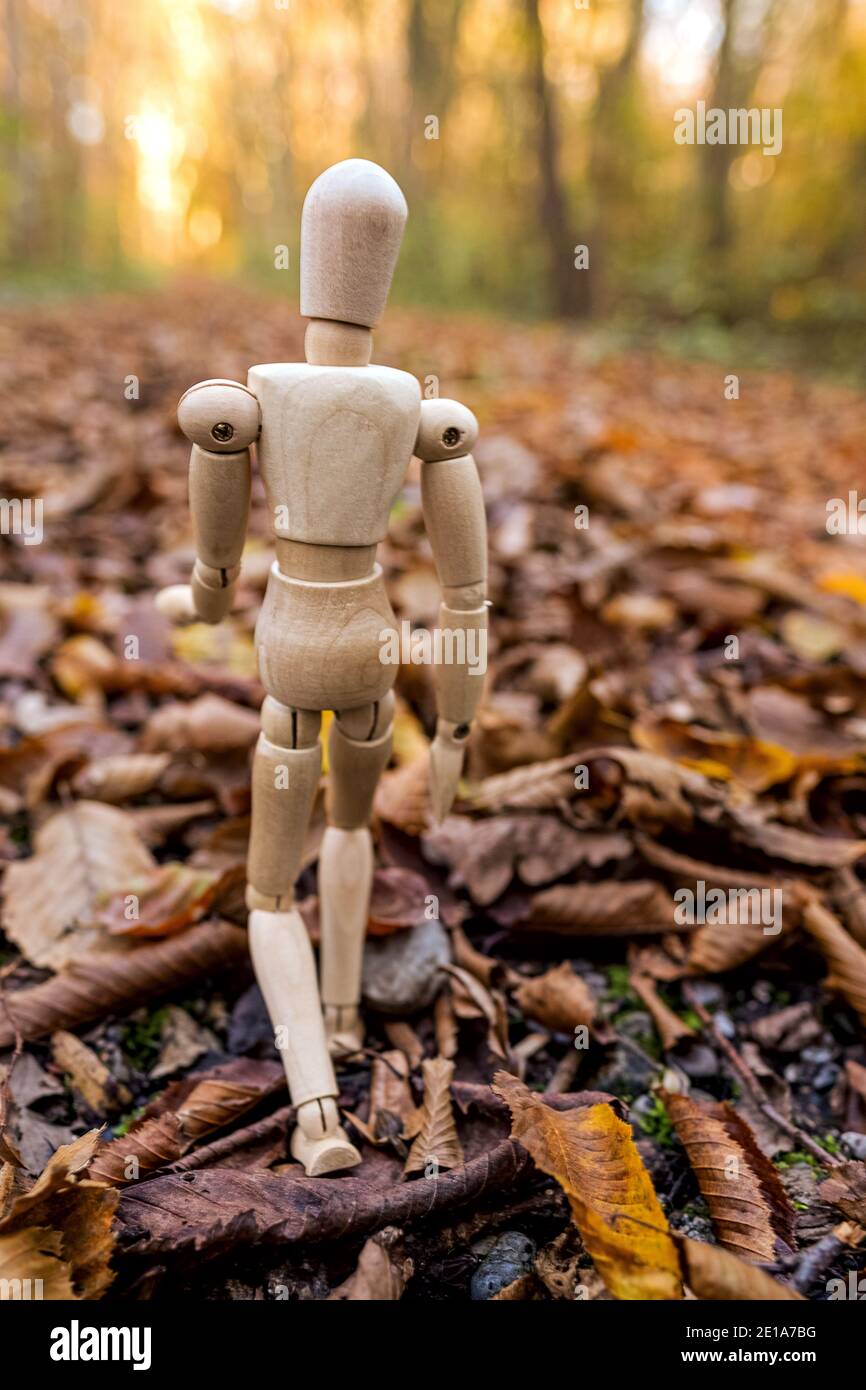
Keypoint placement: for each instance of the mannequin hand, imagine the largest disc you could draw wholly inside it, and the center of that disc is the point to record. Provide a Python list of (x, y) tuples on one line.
[(176, 603)]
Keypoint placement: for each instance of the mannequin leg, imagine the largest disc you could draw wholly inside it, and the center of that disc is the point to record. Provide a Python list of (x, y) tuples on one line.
[(359, 748), (286, 771)]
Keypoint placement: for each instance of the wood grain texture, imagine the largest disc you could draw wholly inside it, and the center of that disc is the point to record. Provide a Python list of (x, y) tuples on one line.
[(219, 415), (351, 228), (453, 507), (318, 645), (283, 789), (345, 879), (334, 448), (286, 972), (219, 502), (458, 690)]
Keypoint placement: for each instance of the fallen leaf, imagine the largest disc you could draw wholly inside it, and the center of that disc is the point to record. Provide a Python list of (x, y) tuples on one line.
[(603, 909), (847, 960), (164, 900), (712, 1272), (671, 1029), (755, 763), (382, 1273), (30, 1260), (559, 1000), (846, 1189), (397, 900), (82, 1211), (591, 1154), (102, 982), (749, 1207), (121, 778), (436, 1143), (87, 1075), (49, 902), (209, 724)]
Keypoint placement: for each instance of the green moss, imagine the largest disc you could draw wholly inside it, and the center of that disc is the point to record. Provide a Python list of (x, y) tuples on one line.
[(655, 1122), (141, 1039), (618, 986), (127, 1120), (792, 1157)]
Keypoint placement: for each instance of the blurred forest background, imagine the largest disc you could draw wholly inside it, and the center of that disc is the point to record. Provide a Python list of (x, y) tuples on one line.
[(166, 136)]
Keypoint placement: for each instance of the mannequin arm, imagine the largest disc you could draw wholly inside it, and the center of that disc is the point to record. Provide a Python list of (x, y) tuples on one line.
[(453, 508), (221, 419)]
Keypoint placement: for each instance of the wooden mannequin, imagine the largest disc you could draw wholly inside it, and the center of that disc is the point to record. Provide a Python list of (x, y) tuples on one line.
[(334, 437)]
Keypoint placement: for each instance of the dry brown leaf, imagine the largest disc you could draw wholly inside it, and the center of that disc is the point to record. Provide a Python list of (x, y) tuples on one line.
[(690, 870), (603, 909), (29, 769), (87, 1075), (749, 1207), (166, 899), (847, 960), (225, 1093), (652, 792), (396, 901), (671, 1029), (846, 1189), (436, 1143), (383, 1271), (445, 1026), (191, 1108), (115, 981), (534, 788), (471, 999), (713, 1272), (154, 824), (799, 847), (82, 1211), (485, 855), (209, 724), (49, 898), (402, 1035), (403, 797), (849, 896), (484, 968), (148, 1145), (593, 1157), (559, 1000), (391, 1105), (121, 778), (31, 1266)]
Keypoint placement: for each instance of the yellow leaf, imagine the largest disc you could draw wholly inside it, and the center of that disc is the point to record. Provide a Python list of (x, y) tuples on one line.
[(844, 582), (593, 1157)]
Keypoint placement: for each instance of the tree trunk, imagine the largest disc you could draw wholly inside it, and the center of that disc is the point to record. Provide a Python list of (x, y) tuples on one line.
[(569, 287)]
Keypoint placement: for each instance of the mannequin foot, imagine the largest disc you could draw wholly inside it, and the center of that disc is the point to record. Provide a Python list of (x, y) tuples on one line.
[(318, 1141), (344, 1029)]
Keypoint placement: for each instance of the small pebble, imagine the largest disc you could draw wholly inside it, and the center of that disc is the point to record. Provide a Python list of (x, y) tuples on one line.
[(854, 1143), (510, 1256)]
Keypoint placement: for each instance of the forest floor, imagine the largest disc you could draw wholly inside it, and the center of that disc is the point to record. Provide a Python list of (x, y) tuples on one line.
[(644, 917)]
